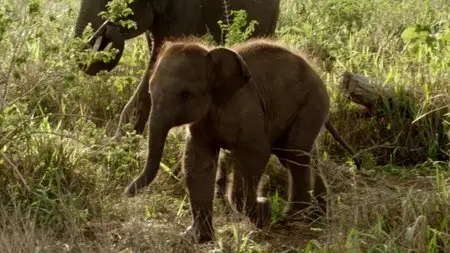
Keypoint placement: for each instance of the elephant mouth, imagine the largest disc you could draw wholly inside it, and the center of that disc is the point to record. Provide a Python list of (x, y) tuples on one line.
[(106, 34)]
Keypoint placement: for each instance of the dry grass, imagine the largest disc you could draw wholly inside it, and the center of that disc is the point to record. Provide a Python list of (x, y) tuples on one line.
[(365, 211)]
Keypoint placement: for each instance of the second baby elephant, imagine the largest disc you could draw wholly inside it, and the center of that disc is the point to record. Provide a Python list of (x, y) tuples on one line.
[(255, 99)]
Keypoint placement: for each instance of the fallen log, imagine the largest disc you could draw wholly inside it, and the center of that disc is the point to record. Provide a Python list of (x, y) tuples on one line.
[(376, 97), (403, 107), (362, 90)]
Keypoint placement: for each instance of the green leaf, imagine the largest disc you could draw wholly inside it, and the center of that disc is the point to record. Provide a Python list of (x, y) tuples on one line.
[(415, 32), (446, 37)]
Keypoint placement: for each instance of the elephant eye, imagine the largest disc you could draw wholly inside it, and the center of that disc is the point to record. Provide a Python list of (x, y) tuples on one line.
[(186, 95)]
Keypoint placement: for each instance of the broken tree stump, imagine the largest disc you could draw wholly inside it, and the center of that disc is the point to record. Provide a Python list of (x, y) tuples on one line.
[(376, 97), (415, 124), (362, 90)]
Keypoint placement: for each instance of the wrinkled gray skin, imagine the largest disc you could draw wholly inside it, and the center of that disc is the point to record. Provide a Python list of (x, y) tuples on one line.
[(254, 100), (161, 19)]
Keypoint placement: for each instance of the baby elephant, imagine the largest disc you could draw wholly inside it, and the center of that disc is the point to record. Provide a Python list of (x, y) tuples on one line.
[(255, 99)]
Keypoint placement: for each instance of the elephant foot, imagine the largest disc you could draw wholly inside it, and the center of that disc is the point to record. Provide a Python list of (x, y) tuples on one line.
[(226, 208), (133, 187), (130, 191), (261, 217), (198, 235)]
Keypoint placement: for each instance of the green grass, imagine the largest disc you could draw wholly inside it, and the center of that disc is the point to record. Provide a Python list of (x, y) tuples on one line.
[(62, 175)]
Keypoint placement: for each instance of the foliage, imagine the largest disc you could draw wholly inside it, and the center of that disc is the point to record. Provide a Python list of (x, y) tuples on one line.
[(117, 10), (239, 29), (235, 29), (435, 36)]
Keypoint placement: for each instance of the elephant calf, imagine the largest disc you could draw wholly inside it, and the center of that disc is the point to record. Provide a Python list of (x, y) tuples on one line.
[(254, 99)]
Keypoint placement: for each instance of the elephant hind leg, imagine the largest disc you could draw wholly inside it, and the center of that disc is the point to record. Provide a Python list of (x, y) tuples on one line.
[(293, 151), (224, 169), (249, 165)]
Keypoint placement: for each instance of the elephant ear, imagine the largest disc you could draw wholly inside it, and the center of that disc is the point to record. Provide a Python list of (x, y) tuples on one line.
[(231, 74)]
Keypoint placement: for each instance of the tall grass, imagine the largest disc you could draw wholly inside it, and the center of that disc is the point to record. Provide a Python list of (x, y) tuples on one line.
[(62, 176), (367, 37)]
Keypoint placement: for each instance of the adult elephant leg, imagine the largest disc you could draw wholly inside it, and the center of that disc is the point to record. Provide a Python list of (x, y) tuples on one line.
[(141, 98), (250, 163), (144, 103)]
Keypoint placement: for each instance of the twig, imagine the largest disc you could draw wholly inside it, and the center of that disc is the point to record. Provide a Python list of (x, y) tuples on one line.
[(226, 15), (16, 170), (425, 114), (13, 101)]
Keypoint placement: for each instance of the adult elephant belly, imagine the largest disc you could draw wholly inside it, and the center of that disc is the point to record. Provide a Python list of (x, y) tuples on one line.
[(266, 13), (189, 19)]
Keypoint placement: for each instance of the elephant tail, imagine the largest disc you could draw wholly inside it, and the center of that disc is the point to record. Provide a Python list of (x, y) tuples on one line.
[(341, 141)]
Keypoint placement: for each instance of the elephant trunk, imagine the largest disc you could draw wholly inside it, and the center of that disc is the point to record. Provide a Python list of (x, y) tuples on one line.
[(157, 136), (88, 13)]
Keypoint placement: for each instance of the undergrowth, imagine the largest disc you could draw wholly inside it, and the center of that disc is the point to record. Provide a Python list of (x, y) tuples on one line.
[(62, 175)]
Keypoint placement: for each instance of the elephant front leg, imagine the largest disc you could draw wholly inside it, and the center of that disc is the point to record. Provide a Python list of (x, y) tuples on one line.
[(249, 168), (200, 164)]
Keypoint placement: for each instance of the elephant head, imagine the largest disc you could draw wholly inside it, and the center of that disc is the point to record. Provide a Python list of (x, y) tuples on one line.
[(188, 82), (107, 32)]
